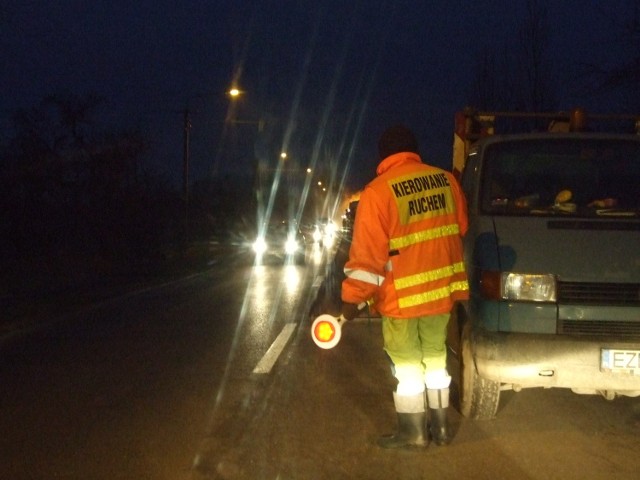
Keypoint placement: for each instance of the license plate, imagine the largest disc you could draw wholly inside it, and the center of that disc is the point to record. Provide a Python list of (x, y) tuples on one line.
[(615, 360)]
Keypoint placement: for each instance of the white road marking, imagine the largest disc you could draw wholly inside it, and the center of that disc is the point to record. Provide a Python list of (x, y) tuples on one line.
[(269, 359)]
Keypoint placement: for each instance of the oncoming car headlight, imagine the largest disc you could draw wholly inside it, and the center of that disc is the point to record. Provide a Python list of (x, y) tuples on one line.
[(519, 286), (291, 245), (259, 246), (317, 235)]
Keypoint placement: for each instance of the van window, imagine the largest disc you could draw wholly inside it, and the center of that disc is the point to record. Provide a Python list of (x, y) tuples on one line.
[(596, 177)]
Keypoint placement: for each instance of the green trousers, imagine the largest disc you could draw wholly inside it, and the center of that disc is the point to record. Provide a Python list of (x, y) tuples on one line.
[(417, 349)]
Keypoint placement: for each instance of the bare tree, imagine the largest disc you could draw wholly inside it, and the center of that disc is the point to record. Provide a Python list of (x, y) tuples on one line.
[(623, 73), (60, 173), (519, 76), (533, 44), (493, 84)]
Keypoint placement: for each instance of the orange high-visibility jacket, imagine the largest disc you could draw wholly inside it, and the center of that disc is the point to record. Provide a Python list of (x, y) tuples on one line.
[(406, 251)]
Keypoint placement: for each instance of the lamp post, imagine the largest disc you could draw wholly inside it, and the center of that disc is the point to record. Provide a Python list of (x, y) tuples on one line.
[(185, 170), (186, 154), (235, 94), (251, 120)]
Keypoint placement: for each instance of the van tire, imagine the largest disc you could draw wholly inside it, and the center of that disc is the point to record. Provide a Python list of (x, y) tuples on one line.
[(479, 397)]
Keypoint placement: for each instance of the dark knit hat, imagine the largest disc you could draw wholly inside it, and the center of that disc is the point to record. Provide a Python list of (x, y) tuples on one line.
[(397, 139)]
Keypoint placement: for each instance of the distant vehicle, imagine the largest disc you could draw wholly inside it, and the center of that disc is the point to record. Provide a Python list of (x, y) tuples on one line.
[(325, 232), (553, 258), (349, 217), (281, 241)]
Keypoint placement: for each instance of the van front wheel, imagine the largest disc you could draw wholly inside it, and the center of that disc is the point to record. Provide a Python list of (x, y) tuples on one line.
[(479, 397)]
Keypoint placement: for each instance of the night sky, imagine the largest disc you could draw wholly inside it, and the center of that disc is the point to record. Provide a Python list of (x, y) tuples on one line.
[(326, 76)]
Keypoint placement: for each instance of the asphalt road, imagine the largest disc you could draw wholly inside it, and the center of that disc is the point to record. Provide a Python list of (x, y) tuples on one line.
[(171, 382)]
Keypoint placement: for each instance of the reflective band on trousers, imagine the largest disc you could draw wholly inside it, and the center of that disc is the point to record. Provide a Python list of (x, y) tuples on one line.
[(430, 276), (433, 295), (424, 235)]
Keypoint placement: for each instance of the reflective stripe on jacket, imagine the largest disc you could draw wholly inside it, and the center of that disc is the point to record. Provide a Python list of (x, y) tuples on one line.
[(406, 251)]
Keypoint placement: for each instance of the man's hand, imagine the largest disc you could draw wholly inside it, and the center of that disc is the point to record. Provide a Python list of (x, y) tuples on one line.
[(350, 311)]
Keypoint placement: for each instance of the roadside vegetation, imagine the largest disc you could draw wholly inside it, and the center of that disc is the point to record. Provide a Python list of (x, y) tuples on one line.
[(82, 217)]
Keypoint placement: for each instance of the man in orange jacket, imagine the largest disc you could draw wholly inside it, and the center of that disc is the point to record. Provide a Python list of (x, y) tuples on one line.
[(406, 258)]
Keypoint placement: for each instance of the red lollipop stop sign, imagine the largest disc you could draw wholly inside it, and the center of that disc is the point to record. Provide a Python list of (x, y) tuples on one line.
[(326, 330)]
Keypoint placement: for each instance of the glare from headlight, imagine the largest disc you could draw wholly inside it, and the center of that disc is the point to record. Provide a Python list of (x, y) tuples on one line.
[(527, 287), (290, 246), (260, 246), (328, 240)]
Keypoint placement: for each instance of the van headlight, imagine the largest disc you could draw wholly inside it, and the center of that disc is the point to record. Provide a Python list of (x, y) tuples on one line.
[(527, 287), (519, 286)]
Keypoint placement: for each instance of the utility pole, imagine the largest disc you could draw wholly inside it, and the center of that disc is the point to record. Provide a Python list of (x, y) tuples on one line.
[(185, 171)]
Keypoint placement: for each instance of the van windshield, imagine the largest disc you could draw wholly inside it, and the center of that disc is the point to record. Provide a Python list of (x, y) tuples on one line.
[(570, 177)]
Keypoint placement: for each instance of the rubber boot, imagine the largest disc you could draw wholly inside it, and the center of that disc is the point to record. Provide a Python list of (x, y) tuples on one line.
[(438, 401), (411, 431)]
